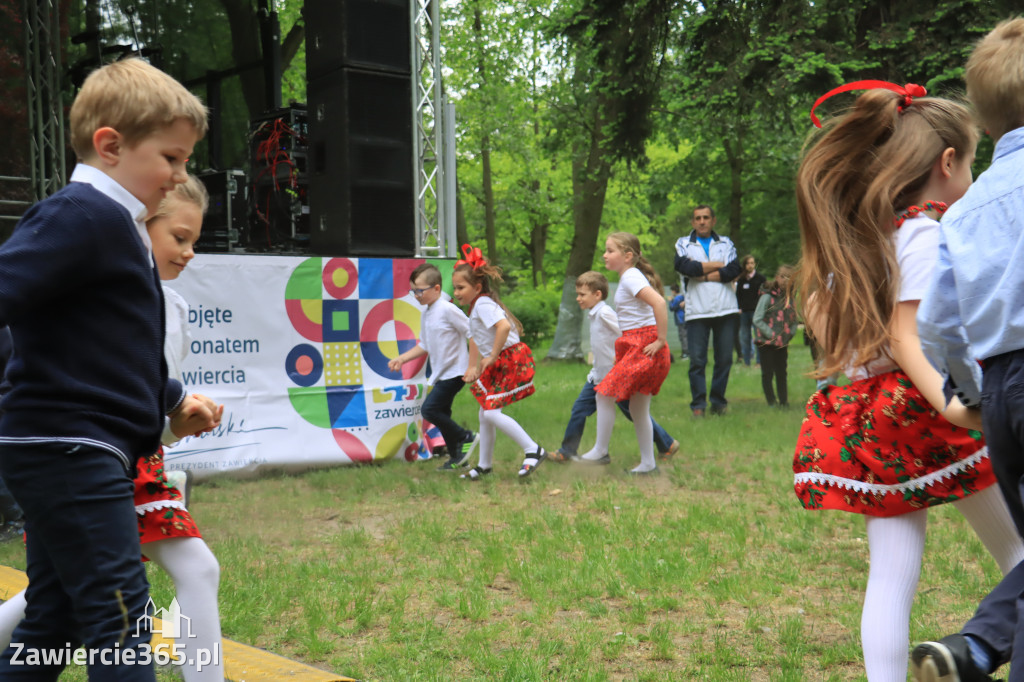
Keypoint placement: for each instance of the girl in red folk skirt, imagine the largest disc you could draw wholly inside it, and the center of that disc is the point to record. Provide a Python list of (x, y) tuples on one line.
[(869, 192), (166, 530), (641, 354), (501, 366)]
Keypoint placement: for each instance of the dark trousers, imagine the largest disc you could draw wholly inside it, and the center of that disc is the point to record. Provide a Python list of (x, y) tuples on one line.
[(747, 347), (698, 332), (585, 406), (437, 409), (87, 584), (773, 370), (1002, 410), (683, 343)]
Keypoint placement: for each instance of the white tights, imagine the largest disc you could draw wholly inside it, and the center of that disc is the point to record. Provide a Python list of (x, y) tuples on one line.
[(896, 545), (196, 576), (492, 421), (640, 411)]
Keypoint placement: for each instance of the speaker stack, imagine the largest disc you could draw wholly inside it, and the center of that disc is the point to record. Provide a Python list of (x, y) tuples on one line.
[(359, 90)]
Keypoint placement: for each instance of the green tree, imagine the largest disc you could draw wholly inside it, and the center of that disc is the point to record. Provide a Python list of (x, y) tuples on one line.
[(612, 55)]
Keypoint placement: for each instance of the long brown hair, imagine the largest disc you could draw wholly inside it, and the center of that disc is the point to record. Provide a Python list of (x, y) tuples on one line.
[(863, 168), (629, 243), (484, 275)]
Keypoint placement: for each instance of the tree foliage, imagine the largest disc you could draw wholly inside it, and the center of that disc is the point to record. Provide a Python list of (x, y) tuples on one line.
[(576, 118)]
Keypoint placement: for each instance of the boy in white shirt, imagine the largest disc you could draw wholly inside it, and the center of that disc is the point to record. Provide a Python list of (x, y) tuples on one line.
[(442, 336), (591, 294)]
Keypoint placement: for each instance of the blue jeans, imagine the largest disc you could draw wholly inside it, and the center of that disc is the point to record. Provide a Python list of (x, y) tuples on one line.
[(437, 409), (747, 346), (84, 559), (585, 406), (999, 620), (698, 332)]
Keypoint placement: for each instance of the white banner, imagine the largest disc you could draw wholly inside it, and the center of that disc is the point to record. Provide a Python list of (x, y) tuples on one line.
[(297, 350)]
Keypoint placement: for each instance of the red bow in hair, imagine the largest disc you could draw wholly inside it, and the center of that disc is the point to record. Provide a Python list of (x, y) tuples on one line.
[(909, 92), (474, 258)]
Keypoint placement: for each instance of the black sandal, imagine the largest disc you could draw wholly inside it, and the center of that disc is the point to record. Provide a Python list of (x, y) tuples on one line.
[(475, 474), (527, 469)]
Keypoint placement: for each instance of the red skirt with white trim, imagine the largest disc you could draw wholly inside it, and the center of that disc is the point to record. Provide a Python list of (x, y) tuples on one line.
[(877, 447), (158, 506), (508, 379), (634, 371)]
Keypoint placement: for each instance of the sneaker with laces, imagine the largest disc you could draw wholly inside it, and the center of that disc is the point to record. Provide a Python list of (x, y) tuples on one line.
[(947, 660)]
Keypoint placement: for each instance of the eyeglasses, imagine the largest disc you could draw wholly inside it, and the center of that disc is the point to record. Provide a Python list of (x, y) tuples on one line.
[(419, 292)]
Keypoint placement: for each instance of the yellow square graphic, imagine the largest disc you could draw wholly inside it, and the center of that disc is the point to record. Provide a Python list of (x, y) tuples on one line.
[(343, 364)]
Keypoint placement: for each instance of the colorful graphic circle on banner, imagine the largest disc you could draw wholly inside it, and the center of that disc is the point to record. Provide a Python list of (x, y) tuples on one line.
[(390, 329), (304, 365)]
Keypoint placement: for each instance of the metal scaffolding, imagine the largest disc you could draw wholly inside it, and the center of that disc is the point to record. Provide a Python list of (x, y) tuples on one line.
[(434, 132), (45, 102)]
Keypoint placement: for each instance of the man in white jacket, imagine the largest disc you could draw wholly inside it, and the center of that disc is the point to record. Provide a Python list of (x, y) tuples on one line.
[(707, 261)]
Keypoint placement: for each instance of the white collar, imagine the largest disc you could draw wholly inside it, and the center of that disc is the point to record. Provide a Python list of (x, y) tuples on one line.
[(108, 186), (596, 309)]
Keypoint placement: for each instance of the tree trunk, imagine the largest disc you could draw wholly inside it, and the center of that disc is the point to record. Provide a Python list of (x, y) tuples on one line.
[(488, 192), (485, 146), (734, 156), (461, 231), (538, 238), (590, 182), (245, 49)]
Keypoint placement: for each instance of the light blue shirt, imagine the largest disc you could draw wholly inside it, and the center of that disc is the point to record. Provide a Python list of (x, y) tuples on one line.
[(974, 306)]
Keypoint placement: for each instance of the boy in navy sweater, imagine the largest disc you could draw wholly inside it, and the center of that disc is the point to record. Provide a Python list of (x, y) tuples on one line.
[(89, 387)]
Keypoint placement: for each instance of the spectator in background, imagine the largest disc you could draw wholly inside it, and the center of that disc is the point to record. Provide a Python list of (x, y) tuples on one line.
[(708, 263), (678, 307), (748, 286)]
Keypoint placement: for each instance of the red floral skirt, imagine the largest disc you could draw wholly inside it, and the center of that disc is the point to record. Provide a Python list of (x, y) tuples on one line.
[(877, 447), (508, 379), (158, 506), (634, 371)]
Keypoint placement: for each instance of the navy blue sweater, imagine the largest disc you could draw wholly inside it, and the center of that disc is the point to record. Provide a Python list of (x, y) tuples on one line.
[(85, 308)]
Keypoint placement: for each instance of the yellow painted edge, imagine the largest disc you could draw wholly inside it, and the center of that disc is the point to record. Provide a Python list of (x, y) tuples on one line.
[(242, 663)]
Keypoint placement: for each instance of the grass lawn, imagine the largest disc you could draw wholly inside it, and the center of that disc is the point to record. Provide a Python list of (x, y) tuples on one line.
[(710, 571)]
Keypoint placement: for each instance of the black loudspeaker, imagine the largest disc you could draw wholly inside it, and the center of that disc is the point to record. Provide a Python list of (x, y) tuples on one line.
[(361, 179), (368, 34)]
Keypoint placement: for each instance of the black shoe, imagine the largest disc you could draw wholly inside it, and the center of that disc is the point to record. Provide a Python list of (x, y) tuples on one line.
[(465, 450), (719, 411), (947, 660), (451, 464)]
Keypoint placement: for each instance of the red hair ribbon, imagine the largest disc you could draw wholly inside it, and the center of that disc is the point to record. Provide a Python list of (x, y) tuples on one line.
[(909, 92), (474, 258)]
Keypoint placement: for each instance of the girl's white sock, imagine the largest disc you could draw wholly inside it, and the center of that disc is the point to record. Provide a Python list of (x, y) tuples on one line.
[(640, 410), (605, 425)]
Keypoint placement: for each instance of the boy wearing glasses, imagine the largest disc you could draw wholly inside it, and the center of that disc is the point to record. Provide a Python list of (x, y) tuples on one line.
[(443, 330)]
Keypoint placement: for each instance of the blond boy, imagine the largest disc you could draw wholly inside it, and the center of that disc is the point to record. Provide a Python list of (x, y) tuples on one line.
[(89, 386), (974, 311), (591, 295)]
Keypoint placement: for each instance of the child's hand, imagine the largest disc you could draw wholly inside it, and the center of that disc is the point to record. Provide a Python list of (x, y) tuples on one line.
[(652, 348), (197, 414), (485, 363), (396, 364), (471, 375)]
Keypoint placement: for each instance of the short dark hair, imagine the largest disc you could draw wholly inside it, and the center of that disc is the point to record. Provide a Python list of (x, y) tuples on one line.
[(595, 281), (700, 206), (432, 274)]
